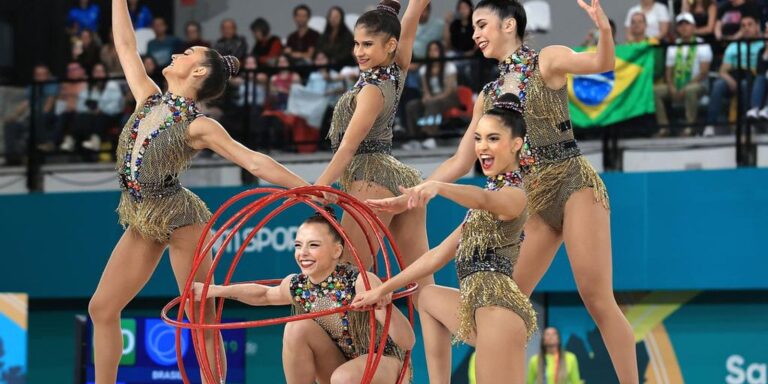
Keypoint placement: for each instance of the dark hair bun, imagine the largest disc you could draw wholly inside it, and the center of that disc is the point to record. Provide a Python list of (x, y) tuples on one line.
[(232, 64), (329, 210), (509, 101), (391, 6)]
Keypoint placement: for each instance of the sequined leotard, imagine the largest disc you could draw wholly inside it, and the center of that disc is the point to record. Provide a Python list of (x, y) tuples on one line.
[(553, 165), (349, 330), (152, 152), (373, 161), (485, 260)]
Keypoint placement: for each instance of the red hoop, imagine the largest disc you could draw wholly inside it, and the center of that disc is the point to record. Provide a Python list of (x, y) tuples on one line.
[(363, 216)]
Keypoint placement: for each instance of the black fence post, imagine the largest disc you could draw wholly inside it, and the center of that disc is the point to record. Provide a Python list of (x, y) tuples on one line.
[(34, 180), (739, 101), (245, 176)]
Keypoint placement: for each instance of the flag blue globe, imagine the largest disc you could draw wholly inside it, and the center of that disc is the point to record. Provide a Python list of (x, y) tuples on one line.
[(593, 89)]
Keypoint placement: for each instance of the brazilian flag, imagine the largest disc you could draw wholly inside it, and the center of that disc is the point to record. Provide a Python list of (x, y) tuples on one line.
[(610, 97)]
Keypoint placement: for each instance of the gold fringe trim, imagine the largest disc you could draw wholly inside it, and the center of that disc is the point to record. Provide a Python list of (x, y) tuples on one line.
[(156, 218), (491, 289), (482, 231), (360, 330), (545, 182), (381, 169)]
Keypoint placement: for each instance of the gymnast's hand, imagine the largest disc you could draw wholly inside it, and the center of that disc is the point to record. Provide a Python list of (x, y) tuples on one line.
[(197, 289), (375, 297), (327, 198), (420, 195), (596, 13), (393, 205)]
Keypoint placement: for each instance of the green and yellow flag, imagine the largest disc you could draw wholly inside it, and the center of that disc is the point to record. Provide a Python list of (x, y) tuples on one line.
[(611, 97)]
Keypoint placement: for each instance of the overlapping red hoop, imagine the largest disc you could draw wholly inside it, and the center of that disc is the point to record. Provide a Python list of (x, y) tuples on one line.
[(197, 325)]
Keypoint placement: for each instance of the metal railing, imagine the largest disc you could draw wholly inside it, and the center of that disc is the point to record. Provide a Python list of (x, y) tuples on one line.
[(482, 70)]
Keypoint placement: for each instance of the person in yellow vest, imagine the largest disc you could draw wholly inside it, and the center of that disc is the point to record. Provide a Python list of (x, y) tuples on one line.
[(558, 366)]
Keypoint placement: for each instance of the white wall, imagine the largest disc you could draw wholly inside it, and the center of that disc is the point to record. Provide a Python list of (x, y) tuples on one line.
[(762, 156), (649, 160), (570, 24)]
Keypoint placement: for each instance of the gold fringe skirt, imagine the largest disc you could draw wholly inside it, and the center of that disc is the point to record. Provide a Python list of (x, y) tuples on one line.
[(156, 218), (491, 289), (548, 187), (360, 329), (381, 169)]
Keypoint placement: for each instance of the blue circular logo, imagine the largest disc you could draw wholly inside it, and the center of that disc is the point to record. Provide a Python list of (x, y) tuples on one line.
[(161, 342), (593, 89)]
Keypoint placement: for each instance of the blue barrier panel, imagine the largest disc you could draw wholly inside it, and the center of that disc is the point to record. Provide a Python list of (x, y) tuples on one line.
[(681, 336), (681, 230)]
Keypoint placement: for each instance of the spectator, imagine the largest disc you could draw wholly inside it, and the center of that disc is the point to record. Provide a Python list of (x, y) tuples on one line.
[(302, 43), (83, 16), (350, 74), (459, 42), (759, 88), (329, 84), (193, 35), (16, 129), (280, 84), (336, 42), (637, 30), (687, 69), (729, 16), (459, 33), (553, 365), (735, 66), (230, 42), (66, 105), (163, 46), (108, 56), (150, 66), (248, 98), (325, 81), (656, 18), (141, 16), (429, 29), (98, 108), (154, 73), (87, 50), (438, 84), (257, 84), (705, 14), (592, 37), (267, 48)]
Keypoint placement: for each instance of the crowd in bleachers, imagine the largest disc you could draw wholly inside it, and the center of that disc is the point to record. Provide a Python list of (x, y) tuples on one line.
[(702, 71), (285, 96)]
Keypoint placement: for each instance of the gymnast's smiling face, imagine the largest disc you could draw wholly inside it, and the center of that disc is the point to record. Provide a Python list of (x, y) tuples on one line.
[(498, 141), (372, 49), (316, 250)]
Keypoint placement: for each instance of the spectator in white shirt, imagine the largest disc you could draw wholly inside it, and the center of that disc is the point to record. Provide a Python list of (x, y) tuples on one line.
[(656, 17), (687, 68), (438, 90)]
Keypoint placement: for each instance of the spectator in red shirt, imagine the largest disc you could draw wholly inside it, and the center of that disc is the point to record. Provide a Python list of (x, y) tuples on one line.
[(267, 48)]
